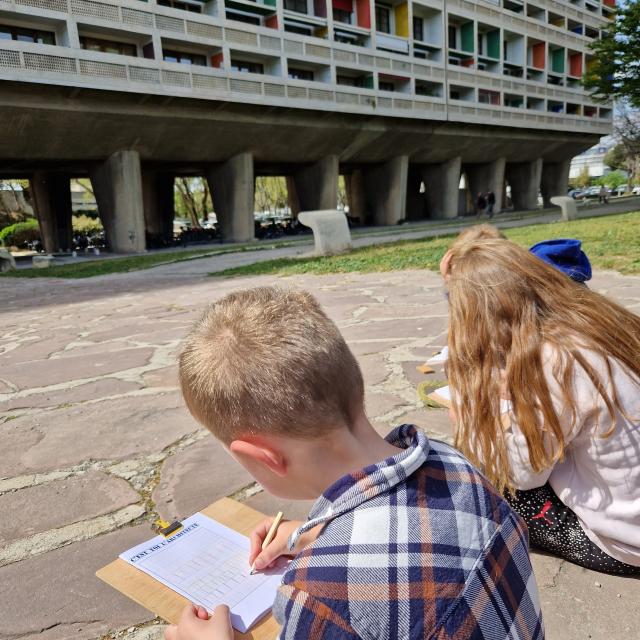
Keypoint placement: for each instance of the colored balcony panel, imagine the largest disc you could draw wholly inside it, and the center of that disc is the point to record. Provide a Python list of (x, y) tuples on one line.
[(401, 15), (363, 13), (575, 65), (538, 55), (558, 60), (467, 37), (493, 44), (609, 3)]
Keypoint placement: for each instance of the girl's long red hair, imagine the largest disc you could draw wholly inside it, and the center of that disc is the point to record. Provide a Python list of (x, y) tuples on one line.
[(505, 306)]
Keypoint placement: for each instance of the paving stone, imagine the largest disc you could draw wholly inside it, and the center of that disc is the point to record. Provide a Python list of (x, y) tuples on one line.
[(377, 404), (270, 505), (574, 608), (109, 430), (90, 391), (399, 330), (59, 588), (195, 477), (374, 369), (55, 504), (163, 377), (41, 373), (435, 422), (413, 376)]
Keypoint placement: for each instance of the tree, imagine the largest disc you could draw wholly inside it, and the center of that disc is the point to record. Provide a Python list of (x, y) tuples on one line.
[(627, 130), (192, 199), (616, 158), (583, 179), (613, 179), (615, 72)]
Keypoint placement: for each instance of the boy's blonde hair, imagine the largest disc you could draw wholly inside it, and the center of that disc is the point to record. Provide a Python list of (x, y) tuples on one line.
[(269, 361)]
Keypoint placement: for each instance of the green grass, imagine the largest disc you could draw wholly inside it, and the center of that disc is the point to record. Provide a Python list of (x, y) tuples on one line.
[(92, 268), (611, 242)]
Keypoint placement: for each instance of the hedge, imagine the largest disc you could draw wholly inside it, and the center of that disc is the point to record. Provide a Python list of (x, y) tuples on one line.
[(15, 235)]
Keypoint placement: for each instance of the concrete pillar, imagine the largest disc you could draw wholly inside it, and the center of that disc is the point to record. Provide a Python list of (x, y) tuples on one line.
[(52, 200), (117, 184), (416, 202), (524, 179), (554, 180), (292, 196), (354, 186), (316, 185), (487, 176), (232, 189), (386, 190), (442, 186), (158, 206)]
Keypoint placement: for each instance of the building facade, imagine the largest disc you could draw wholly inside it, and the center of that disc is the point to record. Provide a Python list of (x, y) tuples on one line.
[(402, 97)]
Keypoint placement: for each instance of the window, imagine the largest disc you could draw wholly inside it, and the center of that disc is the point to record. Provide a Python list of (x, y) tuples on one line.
[(242, 17), (246, 66), (480, 43), (27, 35), (453, 37), (108, 46), (418, 29), (488, 97), (184, 58), (341, 15), (383, 19), (300, 74), (178, 4), (350, 81), (386, 86), (303, 31), (296, 5)]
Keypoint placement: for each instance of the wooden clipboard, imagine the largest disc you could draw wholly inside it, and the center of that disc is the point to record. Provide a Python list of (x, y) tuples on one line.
[(168, 604)]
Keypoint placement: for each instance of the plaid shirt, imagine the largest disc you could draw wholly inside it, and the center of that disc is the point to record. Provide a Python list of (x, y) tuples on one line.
[(417, 546)]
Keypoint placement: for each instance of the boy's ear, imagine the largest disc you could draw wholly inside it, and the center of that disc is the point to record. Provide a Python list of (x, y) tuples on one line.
[(260, 452)]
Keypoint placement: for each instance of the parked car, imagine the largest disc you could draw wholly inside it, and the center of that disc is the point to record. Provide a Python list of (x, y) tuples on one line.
[(636, 190), (576, 194), (620, 190)]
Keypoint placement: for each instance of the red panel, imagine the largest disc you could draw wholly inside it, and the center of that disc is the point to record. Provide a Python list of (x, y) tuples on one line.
[(320, 8), (345, 5), (538, 55), (216, 60), (271, 22), (609, 3), (575, 65), (364, 13), (468, 62)]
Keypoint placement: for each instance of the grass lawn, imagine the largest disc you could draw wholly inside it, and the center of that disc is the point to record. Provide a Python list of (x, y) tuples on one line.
[(611, 242), (92, 268)]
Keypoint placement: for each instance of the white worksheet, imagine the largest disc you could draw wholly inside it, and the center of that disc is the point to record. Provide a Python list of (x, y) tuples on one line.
[(208, 563), (445, 393)]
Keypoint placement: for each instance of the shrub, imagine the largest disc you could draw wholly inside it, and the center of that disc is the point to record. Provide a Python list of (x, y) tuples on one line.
[(15, 235), (86, 224)]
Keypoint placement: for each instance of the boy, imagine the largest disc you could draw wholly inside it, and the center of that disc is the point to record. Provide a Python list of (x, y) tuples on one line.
[(406, 538)]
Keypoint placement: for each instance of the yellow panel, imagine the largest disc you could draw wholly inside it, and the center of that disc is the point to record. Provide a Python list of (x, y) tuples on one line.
[(321, 32), (401, 12)]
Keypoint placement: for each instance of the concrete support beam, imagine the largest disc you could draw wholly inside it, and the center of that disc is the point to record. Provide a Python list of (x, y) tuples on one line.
[(487, 176), (442, 186), (524, 179), (117, 184), (416, 202), (292, 196), (158, 205), (52, 199), (316, 185), (232, 189), (554, 180), (354, 186), (386, 190)]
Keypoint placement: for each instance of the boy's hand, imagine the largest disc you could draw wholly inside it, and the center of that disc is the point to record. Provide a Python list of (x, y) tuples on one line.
[(195, 624), (278, 546)]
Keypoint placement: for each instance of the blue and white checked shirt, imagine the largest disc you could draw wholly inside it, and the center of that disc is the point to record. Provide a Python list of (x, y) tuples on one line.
[(417, 546)]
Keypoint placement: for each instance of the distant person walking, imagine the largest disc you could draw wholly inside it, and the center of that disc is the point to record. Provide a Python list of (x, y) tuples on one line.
[(491, 203), (481, 204), (602, 195)]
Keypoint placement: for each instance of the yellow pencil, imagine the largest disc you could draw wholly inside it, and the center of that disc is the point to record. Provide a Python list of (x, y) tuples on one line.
[(270, 535)]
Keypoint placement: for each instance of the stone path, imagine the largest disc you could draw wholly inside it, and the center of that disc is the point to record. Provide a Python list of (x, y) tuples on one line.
[(95, 441)]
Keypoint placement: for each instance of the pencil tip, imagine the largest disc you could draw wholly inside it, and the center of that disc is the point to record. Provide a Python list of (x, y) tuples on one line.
[(252, 572)]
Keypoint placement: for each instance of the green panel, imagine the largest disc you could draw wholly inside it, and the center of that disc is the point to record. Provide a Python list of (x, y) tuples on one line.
[(557, 60), (271, 3), (466, 35), (368, 82), (493, 44)]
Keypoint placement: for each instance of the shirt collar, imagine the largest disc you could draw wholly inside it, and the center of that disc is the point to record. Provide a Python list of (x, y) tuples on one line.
[(352, 490)]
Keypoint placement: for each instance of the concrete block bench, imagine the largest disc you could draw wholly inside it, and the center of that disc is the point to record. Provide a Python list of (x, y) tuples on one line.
[(42, 262), (330, 231), (567, 206), (7, 261)]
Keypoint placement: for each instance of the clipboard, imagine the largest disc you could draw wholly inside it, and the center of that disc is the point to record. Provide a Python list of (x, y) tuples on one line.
[(168, 604)]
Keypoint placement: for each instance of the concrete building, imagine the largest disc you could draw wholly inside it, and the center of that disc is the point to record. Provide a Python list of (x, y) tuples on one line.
[(402, 97)]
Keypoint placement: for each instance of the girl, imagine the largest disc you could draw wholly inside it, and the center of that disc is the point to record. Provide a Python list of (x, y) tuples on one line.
[(568, 360)]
